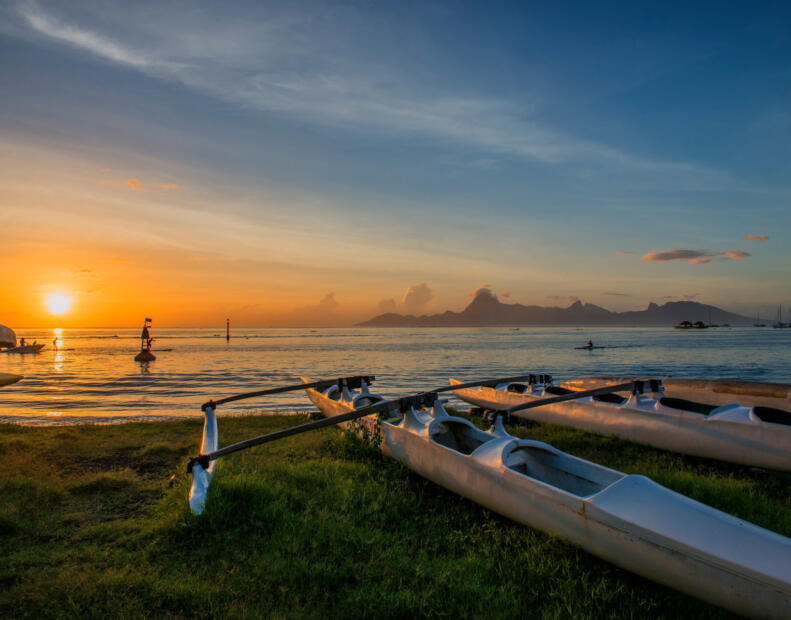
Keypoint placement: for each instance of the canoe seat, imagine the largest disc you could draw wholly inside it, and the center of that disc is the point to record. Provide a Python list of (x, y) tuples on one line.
[(772, 415), (557, 391), (559, 470), (687, 405), (517, 388), (457, 436)]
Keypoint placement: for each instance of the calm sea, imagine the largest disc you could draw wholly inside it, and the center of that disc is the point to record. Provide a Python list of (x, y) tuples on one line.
[(93, 377)]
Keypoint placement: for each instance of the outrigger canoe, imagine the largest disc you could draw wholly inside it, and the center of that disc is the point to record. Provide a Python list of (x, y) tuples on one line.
[(758, 436), (628, 520)]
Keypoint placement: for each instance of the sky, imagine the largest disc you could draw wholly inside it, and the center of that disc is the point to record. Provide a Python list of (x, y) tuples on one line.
[(317, 163)]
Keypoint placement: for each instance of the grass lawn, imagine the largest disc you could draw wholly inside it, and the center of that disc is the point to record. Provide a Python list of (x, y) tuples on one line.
[(318, 525)]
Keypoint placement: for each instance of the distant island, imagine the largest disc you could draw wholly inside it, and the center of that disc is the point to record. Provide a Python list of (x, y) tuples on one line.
[(486, 310)]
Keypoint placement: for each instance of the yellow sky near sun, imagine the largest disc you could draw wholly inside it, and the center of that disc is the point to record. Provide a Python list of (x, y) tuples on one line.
[(129, 244)]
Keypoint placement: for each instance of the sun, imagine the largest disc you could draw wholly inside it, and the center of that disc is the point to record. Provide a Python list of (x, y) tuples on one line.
[(58, 303)]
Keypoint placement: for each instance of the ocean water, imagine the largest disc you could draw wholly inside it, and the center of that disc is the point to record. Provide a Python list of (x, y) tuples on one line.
[(93, 377)]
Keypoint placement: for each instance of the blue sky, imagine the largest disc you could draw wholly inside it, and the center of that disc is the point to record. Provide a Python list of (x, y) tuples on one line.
[(363, 149)]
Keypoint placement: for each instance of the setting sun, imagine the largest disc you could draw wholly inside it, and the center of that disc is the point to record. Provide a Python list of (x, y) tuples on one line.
[(58, 303)]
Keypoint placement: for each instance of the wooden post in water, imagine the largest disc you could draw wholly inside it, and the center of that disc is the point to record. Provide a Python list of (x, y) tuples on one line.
[(227, 330)]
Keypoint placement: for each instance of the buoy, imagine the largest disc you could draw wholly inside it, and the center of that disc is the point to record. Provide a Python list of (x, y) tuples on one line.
[(145, 354)]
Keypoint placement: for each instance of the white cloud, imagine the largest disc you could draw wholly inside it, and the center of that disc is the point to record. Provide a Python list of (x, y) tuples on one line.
[(483, 289), (417, 298)]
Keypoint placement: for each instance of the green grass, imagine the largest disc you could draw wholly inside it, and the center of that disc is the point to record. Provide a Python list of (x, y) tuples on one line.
[(319, 525)]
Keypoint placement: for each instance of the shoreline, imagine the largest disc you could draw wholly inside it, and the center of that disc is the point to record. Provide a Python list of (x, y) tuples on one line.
[(99, 420)]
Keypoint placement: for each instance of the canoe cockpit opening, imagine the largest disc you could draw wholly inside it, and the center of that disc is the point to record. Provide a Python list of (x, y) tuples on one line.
[(610, 398), (559, 470), (458, 436), (517, 388), (604, 398), (557, 390), (366, 401), (334, 393), (772, 415), (687, 405)]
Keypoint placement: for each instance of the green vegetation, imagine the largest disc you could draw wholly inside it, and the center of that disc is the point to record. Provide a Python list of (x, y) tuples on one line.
[(319, 525)]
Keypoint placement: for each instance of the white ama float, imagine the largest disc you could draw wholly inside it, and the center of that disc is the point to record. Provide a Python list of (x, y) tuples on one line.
[(759, 436), (202, 473), (625, 519)]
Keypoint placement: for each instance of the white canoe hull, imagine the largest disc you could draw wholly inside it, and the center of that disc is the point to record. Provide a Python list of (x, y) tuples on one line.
[(730, 433), (713, 391), (627, 520)]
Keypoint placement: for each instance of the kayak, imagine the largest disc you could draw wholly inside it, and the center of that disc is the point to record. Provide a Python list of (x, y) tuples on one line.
[(589, 348), (758, 436), (628, 520), (6, 379)]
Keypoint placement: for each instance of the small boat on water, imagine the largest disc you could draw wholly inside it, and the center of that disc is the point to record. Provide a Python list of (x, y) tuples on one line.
[(8, 342), (628, 520), (25, 348), (758, 435), (779, 324)]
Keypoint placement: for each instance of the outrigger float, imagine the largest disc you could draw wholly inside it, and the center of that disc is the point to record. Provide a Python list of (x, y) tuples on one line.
[(759, 435), (625, 519)]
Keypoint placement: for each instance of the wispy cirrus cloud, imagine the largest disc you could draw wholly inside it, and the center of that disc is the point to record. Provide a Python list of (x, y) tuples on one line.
[(761, 238), (96, 43), (283, 63), (625, 253), (693, 257), (136, 184)]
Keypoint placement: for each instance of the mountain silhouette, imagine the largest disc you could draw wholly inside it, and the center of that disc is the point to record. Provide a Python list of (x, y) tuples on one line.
[(487, 310)]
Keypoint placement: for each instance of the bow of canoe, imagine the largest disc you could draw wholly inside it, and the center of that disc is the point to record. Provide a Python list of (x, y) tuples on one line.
[(6, 379)]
